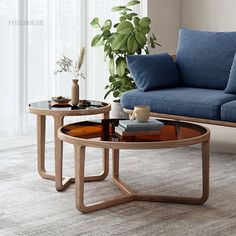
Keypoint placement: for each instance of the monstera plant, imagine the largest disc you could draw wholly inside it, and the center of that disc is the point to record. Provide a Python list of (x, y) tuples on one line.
[(129, 36)]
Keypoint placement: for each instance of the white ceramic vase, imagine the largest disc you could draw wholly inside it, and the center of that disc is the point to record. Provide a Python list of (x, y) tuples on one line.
[(117, 111), (75, 92)]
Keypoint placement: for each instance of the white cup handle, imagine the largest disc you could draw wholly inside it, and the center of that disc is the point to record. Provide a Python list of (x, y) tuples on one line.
[(132, 117)]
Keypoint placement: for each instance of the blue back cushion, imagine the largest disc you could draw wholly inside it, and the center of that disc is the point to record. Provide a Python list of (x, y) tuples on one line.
[(152, 72), (204, 59), (231, 86)]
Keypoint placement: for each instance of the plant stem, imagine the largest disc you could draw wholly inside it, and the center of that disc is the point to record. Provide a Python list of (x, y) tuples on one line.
[(73, 72)]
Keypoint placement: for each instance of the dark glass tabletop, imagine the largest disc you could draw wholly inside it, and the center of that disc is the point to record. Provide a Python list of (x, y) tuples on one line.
[(50, 105), (104, 130), (86, 107)]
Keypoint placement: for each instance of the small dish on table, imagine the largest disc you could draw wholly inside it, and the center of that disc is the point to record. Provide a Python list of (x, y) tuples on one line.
[(84, 103), (60, 99)]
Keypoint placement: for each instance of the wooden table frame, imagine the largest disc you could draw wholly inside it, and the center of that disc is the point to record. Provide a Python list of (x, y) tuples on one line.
[(128, 193), (61, 183)]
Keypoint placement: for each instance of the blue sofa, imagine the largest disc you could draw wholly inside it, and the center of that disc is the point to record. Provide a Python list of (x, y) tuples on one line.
[(199, 85)]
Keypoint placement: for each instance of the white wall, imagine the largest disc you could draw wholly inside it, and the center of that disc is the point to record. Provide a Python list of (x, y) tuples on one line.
[(165, 15), (212, 15), (169, 15)]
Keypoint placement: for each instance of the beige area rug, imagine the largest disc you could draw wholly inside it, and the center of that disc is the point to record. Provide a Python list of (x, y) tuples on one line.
[(30, 205)]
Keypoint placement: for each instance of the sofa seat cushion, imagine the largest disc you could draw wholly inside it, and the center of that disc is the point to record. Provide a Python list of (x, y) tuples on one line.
[(185, 101), (204, 59), (228, 111)]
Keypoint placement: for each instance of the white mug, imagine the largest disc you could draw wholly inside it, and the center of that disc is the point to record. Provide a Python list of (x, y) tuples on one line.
[(141, 113)]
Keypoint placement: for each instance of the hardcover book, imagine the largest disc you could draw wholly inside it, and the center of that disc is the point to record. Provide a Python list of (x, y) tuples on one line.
[(123, 133), (134, 125)]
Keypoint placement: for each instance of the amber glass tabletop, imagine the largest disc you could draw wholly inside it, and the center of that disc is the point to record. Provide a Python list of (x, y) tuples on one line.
[(104, 131)]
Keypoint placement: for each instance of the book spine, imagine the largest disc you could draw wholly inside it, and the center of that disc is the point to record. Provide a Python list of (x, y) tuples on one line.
[(140, 126), (136, 133), (137, 128)]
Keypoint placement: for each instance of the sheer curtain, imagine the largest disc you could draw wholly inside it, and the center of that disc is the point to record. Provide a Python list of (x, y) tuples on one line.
[(36, 33)]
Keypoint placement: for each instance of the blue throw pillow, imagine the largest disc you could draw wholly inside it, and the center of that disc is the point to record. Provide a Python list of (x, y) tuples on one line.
[(152, 72), (204, 59), (231, 86)]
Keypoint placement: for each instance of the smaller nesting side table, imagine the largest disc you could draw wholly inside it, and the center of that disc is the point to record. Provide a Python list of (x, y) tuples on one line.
[(46, 108)]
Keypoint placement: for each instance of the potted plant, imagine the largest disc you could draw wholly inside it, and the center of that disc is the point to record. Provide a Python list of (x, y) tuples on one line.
[(66, 64), (127, 37)]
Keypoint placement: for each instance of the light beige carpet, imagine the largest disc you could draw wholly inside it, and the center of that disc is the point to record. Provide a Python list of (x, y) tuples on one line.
[(30, 205)]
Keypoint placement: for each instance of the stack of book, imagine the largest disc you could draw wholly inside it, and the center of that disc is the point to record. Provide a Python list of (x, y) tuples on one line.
[(133, 127)]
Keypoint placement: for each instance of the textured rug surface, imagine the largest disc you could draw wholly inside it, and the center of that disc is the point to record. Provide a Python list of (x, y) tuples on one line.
[(30, 205)]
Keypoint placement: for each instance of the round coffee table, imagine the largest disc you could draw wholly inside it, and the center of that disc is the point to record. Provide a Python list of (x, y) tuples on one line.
[(58, 112), (101, 134)]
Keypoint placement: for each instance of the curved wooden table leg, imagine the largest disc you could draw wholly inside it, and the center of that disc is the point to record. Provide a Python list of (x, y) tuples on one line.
[(116, 178), (61, 182), (168, 199), (41, 129), (105, 171), (129, 194), (205, 171), (187, 200), (79, 187)]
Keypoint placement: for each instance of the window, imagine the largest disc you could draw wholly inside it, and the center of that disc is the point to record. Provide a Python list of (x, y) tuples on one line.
[(35, 33)]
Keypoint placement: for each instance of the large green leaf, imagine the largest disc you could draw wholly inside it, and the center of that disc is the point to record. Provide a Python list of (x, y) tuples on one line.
[(143, 29), (132, 44), (120, 66), (106, 34), (107, 25), (136, 21), (111, 66), (130, 16), (122, 18), (132, 3), (119, 41), (145, 21), (107, 93), (141, 38), (115, 25), (127, 9), (116, 94), (96, 40), (111, 79), (117, 8), (95, 22), (127, 81), (125, 27)]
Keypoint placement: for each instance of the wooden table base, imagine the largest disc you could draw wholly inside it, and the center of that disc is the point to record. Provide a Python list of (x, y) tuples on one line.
[(128, 193), (61, 182)]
